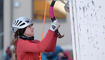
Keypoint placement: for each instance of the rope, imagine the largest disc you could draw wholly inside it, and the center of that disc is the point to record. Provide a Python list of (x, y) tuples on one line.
[(44, 22)]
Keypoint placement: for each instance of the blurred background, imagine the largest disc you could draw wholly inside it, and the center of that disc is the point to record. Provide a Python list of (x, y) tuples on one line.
[(12, 9), (83, 27), (1, 27)]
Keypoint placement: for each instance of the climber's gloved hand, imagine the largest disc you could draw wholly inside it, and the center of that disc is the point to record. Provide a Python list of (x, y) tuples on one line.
[(54, 25)]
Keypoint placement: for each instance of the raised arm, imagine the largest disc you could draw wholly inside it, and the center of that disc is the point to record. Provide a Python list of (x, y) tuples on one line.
[(52, 44), (27, 46)]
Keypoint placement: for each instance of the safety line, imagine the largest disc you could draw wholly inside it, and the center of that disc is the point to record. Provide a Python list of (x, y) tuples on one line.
[(44, 22)]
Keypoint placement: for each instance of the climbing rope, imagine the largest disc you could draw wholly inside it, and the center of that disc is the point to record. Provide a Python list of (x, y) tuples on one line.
[(44, 22)]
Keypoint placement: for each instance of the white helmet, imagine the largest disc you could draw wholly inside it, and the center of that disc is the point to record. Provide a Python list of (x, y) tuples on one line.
[(20, 23)]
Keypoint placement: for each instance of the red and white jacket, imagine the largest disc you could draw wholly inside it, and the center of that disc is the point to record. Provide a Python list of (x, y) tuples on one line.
[(30, 50)]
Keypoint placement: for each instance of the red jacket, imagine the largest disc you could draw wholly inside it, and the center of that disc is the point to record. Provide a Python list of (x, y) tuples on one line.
[(30, 50)]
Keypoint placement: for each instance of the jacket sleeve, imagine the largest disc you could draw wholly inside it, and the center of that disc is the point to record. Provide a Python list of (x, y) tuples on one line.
[(38, 47), (52, 44)]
